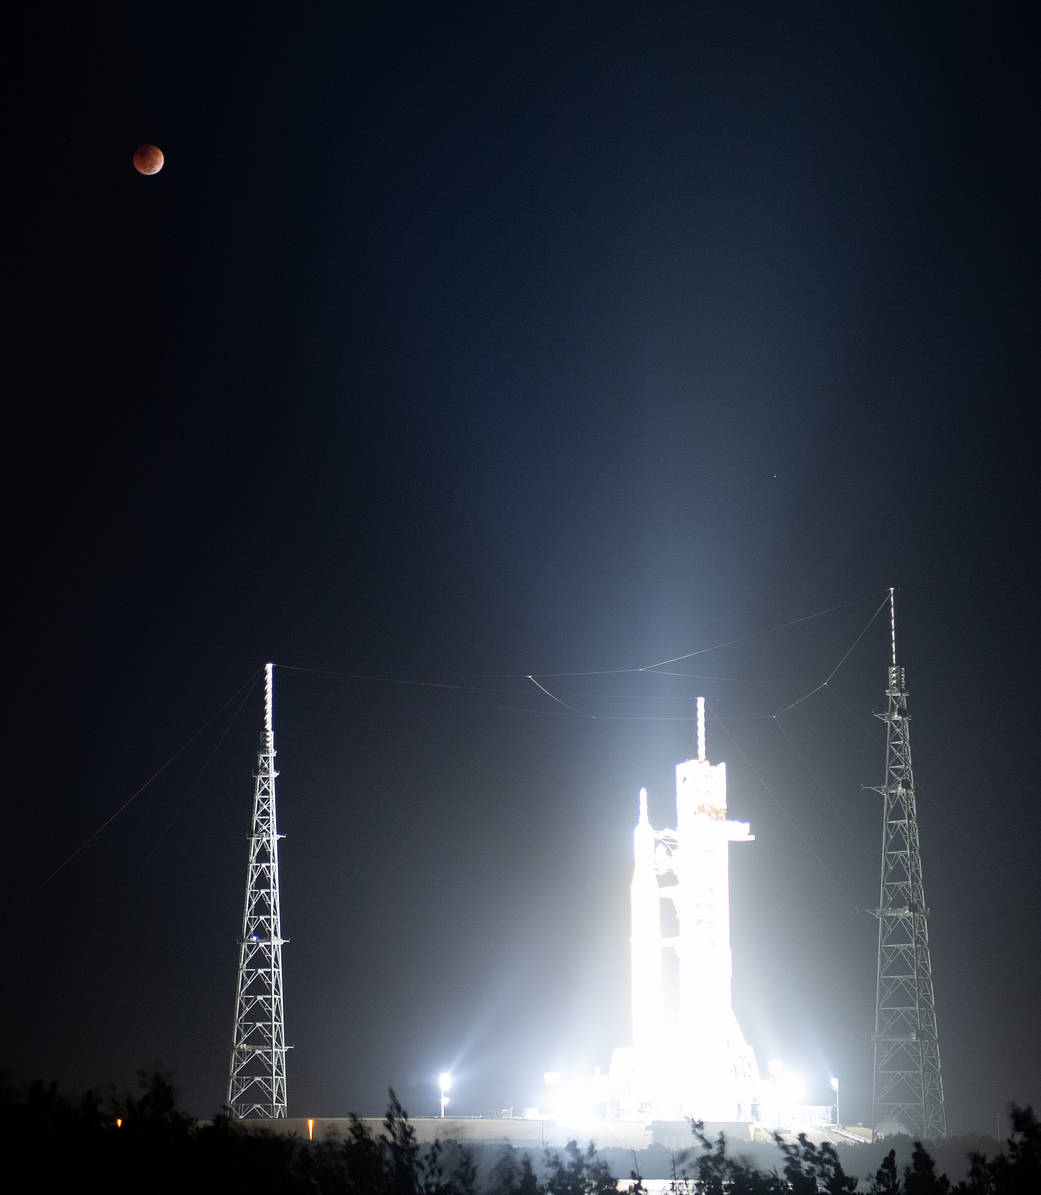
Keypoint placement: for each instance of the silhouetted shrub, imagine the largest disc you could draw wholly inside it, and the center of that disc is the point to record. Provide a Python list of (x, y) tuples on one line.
[(146, 1142)]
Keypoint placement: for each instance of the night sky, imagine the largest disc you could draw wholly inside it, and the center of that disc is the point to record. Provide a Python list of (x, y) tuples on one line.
[(455, 344)]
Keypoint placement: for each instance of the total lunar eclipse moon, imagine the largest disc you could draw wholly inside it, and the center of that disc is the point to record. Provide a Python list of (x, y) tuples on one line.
[(148, 159)]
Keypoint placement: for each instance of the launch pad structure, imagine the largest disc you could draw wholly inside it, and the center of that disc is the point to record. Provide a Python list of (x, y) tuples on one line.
[(688, 1055)]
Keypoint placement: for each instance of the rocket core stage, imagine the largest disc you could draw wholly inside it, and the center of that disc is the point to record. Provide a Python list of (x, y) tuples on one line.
[(688, 1057)]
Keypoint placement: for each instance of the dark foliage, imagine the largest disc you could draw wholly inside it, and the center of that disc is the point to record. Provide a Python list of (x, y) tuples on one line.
[(145, 1142), (1015, 1171), (887, 1177), (581, 1173), (513, 1175), (808, 1169), (816, 1170)]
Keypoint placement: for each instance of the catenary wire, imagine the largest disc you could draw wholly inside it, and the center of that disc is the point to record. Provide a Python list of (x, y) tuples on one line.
[(202, 771), (773, 796), (250, 681), (823, 791), (824, 683)]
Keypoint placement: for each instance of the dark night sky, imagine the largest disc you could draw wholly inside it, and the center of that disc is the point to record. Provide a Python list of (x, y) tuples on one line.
[(459, 343)]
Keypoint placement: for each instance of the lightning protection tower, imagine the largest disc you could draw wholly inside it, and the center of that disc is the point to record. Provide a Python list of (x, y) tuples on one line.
[(907, 1089), (257, 1078)]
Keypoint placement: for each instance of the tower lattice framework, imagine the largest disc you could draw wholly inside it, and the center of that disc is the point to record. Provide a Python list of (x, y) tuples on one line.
[(907, 1085), (257, 1077)]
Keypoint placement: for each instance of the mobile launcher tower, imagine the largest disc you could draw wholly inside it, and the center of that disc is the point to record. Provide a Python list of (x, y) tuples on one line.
[(689, 1057)]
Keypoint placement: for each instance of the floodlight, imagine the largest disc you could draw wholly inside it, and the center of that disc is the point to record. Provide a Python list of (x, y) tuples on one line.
[(445, 1081)]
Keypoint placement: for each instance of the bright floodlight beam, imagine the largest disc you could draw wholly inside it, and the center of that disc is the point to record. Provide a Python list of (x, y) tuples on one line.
[(444, 1080)]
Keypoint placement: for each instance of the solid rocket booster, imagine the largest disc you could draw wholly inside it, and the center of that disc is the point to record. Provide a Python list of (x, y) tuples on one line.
[(646, 939)]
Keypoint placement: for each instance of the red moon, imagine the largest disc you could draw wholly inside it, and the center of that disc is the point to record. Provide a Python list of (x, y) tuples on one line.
[(148, 159)]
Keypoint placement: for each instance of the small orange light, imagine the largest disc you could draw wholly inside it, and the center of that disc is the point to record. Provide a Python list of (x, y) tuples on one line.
[(310, 1128), (119, 1122)]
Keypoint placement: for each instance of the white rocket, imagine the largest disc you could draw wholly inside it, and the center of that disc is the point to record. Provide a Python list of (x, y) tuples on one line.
[(689, 1057)]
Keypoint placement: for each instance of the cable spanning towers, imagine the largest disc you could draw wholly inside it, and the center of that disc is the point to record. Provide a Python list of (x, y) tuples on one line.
[(907, 1091), (257, 1077)]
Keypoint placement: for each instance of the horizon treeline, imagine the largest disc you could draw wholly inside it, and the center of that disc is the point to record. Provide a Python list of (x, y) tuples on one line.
[(145, 1141)]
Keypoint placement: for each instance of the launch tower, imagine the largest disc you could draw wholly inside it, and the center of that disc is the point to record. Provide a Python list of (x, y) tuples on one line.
[(907, 1090), (257, 1077)]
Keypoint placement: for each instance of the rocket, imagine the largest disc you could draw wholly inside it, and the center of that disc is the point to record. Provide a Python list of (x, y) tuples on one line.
[(690, 1055), (645, 906)]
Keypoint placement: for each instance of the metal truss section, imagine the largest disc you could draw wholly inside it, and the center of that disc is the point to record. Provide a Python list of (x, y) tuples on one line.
[(257, 1077), (907, 1090)]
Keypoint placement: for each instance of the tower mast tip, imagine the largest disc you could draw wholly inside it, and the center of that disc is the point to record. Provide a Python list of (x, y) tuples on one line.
[(892, 622)]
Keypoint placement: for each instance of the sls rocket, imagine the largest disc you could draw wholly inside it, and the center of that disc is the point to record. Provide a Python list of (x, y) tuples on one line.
[(688, 1050)]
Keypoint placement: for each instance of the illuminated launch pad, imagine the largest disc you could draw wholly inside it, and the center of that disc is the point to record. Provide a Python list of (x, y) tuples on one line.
[(688, 1055)]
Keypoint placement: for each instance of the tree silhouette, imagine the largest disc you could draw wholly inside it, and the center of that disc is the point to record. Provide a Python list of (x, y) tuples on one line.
[(810, 1168), (1017, 1172), (510, 1176), (581, 1173), (144, 1141), (887, 1178)]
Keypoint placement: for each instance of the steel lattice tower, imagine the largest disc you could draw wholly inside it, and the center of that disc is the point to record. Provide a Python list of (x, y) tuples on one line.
[(907, 1086), (257, 1077)]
